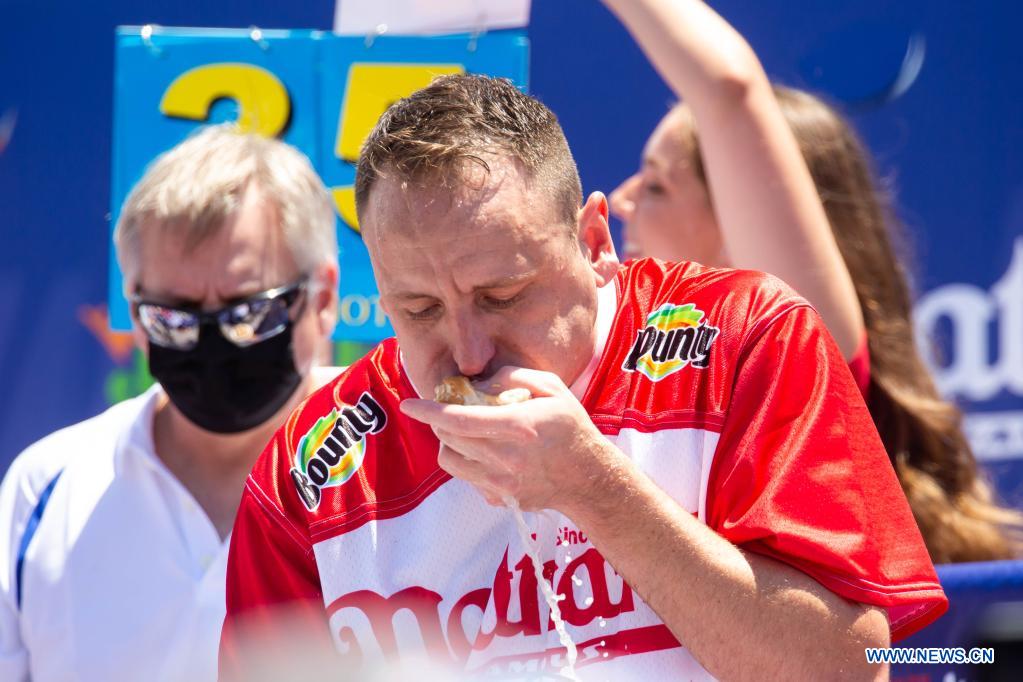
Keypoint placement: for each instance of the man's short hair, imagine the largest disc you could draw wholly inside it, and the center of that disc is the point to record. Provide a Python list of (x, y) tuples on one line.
[(197, 185), (431, 134)]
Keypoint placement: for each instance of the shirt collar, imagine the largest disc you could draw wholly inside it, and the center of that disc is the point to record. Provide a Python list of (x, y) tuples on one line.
[(607, 303), (138, 439)]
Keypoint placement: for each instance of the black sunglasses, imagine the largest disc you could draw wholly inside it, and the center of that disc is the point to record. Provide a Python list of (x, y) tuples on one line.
[(243, 323)]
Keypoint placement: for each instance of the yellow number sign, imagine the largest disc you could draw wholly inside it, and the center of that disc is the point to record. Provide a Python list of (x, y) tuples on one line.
[(263, 102), (264, 105), (371, 89)]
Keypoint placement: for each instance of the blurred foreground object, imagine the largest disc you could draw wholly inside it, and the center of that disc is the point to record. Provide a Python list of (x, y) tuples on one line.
[(419, 17)]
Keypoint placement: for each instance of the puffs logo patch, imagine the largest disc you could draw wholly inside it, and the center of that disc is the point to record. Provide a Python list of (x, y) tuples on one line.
[(330, 453), (674, 336)]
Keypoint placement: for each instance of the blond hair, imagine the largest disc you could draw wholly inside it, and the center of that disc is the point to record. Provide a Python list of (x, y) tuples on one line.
[(198, 184)]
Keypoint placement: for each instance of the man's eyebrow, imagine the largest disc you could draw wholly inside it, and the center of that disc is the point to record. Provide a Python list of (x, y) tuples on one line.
[(165, 298), (408, 295), (504, 282), (172, 300), (499, 283)]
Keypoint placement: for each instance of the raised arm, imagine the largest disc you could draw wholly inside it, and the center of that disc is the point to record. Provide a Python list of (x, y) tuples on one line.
[(767, 207)]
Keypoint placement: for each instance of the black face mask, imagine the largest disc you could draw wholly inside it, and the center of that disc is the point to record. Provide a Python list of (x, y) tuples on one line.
[(223, 388)]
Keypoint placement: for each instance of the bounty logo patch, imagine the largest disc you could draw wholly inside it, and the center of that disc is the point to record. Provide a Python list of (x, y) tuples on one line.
[(330, 453), (674, 336)]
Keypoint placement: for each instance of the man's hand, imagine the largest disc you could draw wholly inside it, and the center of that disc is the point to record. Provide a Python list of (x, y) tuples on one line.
[(741, 615), (544, 452)]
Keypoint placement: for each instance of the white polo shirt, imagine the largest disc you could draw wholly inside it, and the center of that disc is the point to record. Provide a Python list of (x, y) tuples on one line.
[(109, 569)]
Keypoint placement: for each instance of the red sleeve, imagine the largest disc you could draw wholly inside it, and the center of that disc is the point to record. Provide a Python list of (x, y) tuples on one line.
[(274, 602), (800, 475), (859, 365)]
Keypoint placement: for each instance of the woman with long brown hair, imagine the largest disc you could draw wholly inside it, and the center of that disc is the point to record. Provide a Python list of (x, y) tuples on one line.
[(778, 181)]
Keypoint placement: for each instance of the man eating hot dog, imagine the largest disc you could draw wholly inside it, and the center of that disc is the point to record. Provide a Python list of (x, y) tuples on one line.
[(719, 503)]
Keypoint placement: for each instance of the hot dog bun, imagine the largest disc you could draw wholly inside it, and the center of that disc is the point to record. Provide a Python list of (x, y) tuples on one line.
[(458, 390)]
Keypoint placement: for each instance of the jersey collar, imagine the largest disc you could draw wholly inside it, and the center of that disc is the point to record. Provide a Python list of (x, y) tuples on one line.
[(607, 304)]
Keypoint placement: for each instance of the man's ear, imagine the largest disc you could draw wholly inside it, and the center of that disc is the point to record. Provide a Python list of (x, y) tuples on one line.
[(595, 239), (324, 297)]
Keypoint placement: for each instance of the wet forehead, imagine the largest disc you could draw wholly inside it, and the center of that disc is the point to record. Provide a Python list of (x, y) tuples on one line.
[(490, 221), (502, 192)]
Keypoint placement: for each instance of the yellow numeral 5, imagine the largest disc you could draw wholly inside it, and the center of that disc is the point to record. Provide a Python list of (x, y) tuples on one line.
[(371, 89)]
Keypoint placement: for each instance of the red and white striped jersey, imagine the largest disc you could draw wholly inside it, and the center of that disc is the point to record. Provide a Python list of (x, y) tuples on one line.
[(722, 385)]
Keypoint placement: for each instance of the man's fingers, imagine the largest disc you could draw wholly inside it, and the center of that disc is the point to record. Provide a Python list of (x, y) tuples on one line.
[(491, 483), (489, 421), (537, 382), (475, 449), (460, 466)]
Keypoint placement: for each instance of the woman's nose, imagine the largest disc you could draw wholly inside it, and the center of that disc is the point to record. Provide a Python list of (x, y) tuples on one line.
[(623, 198)]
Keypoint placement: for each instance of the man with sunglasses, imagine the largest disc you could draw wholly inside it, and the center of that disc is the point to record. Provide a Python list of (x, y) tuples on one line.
[(115, 530)]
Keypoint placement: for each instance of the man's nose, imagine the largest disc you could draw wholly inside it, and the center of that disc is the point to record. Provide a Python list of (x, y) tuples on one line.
[(623, 198), (472, 347)]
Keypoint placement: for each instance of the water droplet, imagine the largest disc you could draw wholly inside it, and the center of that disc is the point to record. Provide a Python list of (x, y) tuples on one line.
[(529, 542)]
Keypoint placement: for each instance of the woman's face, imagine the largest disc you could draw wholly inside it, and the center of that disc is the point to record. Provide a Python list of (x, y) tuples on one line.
[(664, 207)]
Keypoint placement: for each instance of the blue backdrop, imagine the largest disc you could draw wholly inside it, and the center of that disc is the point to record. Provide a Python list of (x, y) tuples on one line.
[(933, 86), (317, 91)]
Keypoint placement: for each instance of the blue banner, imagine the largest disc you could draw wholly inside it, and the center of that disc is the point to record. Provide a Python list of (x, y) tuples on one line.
[(930, 85), (320, 92)]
